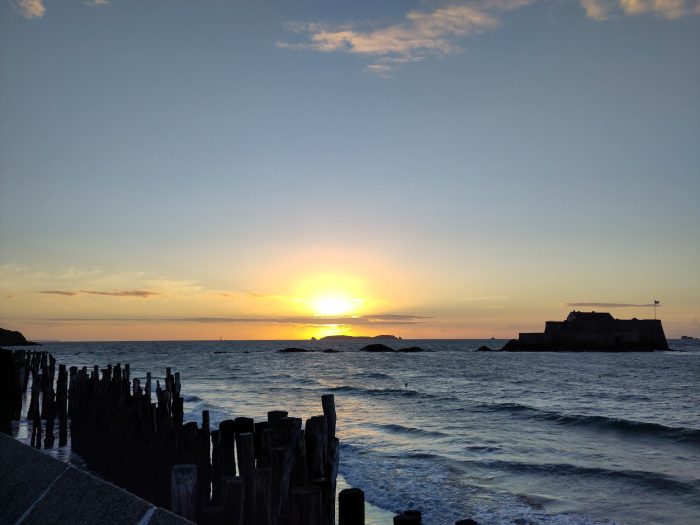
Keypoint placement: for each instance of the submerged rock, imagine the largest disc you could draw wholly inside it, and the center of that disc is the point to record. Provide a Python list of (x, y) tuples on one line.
[(412, 349), (293, 350), (331, 351), (376, 347)]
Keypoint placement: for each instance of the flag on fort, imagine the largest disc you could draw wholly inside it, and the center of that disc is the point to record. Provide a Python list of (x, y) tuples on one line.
[(656, 302)]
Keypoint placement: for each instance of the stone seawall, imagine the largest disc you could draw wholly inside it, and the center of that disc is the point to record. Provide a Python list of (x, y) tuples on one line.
[(36, 488)]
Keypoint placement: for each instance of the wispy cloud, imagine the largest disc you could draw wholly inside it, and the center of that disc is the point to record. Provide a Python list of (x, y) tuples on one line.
[(36, 9), (118, 293), (124, 293), (668, 9), (598, 9), (438, 32), (29, 8), (609, 305), (58, 292), (362, 320), (419, 35)]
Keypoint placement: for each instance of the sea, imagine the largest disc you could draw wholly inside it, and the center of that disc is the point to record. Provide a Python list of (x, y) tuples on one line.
[(502, 438)]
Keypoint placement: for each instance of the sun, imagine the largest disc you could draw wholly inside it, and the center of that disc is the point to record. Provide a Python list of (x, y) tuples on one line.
[(330, 305)]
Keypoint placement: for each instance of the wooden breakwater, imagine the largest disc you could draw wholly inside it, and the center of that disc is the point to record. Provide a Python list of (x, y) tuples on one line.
[(273, 472)]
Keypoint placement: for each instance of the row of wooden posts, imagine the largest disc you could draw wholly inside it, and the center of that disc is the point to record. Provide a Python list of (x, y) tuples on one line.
[(243, 473), (270, 472)]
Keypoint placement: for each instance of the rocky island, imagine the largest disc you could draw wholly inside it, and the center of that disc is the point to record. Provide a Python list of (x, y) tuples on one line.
[(12, 338), (593, 332), (358, 338)]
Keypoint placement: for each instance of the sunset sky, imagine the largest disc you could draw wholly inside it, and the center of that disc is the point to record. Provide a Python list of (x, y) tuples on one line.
[(272, 169)]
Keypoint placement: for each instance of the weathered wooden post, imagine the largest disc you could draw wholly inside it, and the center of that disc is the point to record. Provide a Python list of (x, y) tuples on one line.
[(204, 461), (212, 515), (183, 491), (351, 507), (215, 466), (227, 444), (262, 459), (262, 509), (316, 446), (275, 416), (34, 409), (246, 466), (62, 405), (333, 452), (306, 506), (408, 518), (233, 495), (8, 397)]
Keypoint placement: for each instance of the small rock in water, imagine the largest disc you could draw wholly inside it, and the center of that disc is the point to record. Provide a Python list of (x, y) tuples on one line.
[(412, 349), (467, 521), (331, 351), (293, 350), (377, 347)]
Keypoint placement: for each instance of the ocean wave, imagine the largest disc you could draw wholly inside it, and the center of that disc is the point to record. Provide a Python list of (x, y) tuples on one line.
[(374, 375), (400, 429), (652, 479), (681, 434), (403, 392), (191, 398), (216, 414), (433, 483)]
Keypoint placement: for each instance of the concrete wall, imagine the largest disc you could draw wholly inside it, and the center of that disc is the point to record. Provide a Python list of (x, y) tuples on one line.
[(38, 489)]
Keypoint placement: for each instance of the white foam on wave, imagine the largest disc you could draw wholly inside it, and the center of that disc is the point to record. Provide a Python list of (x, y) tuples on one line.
[(397, 483)]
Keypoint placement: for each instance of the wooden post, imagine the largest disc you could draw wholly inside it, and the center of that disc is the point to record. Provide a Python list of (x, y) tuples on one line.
[(212, 515), (351, 507), (300, 478), (328, 402), (306, 506), (262, 511), (262, 450), (334, 464), (246, 465), (189, 452), (227, 446), (34, 409), (148, 386), (316, 446), (215, 466), (279, 458), (274, 416), (333, 451), (183, 490), (407, 519), (233, 495), (325, 486), (204, 461), (244, 425)]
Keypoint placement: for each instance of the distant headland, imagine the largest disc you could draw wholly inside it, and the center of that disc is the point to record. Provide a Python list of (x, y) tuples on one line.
[(593, 332), (358, 338), (12, 338)]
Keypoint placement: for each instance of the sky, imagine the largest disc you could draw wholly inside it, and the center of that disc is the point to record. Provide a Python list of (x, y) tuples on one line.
[(279, 170)]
